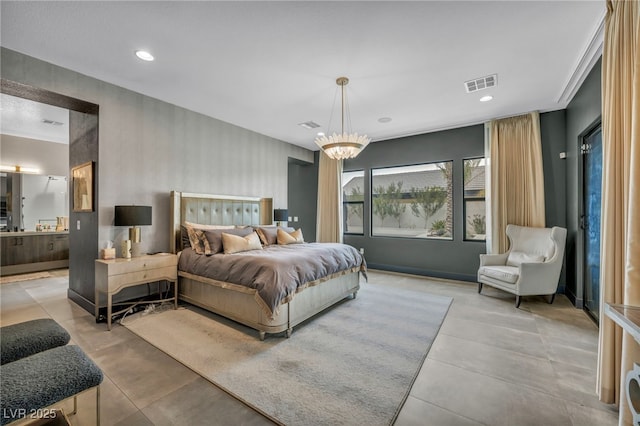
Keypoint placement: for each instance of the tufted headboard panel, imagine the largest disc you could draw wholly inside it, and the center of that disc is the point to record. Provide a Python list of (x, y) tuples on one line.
[(216, 210)]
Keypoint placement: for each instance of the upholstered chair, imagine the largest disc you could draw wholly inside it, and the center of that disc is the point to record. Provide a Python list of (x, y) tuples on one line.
[(531, 266)]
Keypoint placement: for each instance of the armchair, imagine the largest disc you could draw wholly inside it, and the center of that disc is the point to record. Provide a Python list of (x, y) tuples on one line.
[(531, 266)]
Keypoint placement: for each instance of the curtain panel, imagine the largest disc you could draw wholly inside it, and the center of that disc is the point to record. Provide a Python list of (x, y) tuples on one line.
[(517, 179), (329, 218), (620, 226)]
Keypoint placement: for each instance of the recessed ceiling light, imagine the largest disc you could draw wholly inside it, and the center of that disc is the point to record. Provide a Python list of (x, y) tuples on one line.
[(144, 55), (486, 98), (384, 119)]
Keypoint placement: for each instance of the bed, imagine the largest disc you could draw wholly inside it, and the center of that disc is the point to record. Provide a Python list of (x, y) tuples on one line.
[(242, 302)]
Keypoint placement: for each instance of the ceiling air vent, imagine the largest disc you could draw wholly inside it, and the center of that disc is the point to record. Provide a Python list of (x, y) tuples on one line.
[(52, 122), (309, 125), (481, 83)]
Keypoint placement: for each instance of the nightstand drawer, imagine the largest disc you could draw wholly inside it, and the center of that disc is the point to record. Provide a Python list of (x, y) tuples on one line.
[(117, 282), (136, 264)]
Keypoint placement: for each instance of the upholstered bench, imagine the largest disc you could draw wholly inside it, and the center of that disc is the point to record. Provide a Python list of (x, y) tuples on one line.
[(38, 381), (30, 337)]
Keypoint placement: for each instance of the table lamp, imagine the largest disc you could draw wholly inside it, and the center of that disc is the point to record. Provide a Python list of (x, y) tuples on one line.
[(280, 215), (133, 216)]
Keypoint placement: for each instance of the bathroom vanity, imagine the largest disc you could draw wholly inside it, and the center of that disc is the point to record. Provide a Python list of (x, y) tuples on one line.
[(23, 252)]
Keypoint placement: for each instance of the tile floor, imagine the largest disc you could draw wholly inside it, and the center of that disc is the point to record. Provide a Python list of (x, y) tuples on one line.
[(491, 364)]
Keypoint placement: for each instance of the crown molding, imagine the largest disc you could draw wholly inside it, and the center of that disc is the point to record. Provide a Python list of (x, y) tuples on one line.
[(588, 59)]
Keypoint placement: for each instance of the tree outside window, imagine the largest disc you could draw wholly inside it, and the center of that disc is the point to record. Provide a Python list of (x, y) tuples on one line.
[(412, 201)]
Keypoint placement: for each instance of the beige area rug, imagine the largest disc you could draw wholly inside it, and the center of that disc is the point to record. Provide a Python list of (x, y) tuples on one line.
[(352, 365), (24, 277)]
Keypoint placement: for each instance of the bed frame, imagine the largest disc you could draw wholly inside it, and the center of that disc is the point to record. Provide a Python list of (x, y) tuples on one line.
[(238, 302)]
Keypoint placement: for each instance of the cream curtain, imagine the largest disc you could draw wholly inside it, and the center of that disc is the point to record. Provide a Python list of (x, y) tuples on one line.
[(329, 219), (620, 228), (517, 180)]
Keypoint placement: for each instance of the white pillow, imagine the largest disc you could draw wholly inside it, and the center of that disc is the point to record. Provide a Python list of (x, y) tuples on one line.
[(294, 237), (517, 257), (236, 244)]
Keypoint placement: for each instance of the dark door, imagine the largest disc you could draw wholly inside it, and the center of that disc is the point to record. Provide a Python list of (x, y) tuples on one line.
[(592, 203)]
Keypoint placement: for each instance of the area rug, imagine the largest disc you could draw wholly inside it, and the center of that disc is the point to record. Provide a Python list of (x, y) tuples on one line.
[(24, 277), (352, 364)]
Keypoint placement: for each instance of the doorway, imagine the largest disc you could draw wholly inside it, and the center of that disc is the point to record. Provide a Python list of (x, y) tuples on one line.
[(590, 221)]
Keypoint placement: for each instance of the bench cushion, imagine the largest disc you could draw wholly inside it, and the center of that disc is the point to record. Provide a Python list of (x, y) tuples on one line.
[(30, 337), (44, 379)]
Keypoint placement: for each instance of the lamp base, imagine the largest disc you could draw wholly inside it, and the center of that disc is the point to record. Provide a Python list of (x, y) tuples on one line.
[(134, 234)]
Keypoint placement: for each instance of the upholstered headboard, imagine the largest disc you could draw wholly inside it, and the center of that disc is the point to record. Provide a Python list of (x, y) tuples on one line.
[(216, 210)]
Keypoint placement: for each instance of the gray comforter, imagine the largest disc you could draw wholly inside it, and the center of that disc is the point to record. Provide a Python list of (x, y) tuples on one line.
[(277, 271)]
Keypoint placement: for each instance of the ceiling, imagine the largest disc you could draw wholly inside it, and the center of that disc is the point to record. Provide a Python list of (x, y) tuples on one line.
[(268, 66), (34, 120)]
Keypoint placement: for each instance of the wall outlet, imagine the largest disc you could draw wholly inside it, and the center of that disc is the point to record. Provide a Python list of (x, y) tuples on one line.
[(78, 225), (289, 219), (295, 218), (362, 251)]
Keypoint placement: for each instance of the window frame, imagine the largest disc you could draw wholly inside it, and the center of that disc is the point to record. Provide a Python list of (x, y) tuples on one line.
[(346, 204), (471, 199)]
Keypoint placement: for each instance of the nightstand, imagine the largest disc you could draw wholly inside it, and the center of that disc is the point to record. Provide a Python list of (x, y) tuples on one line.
[(114, 275)]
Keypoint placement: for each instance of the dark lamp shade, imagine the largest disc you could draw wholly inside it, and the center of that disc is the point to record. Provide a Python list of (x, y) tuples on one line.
[(280, 215), (133, 215)]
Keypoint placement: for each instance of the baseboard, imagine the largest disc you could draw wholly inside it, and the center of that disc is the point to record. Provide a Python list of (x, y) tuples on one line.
[(84, 303), (423, 272), (34, 267), (575, 301)]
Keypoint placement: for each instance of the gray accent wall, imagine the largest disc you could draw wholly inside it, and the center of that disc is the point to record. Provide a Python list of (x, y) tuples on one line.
[(456, 259), (584, 110), (303, 196), (148, 147), (552, 135)]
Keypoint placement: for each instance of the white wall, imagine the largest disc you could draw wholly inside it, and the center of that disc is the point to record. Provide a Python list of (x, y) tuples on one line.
[(43, 199), (50, 157)]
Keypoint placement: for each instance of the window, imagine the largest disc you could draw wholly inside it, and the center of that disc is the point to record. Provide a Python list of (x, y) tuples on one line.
[(474, 201), (353, 202), (412, 201)]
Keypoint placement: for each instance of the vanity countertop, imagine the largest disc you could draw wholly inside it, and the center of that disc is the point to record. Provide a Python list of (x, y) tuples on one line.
[(29, 233)]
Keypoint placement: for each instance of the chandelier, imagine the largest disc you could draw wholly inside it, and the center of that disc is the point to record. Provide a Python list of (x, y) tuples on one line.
[(344, 145)]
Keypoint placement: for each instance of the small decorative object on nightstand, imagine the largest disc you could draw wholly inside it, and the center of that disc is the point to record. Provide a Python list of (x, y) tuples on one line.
[(113, 275)]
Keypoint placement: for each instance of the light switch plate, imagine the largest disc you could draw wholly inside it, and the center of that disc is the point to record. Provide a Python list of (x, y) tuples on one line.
[(78, 225)]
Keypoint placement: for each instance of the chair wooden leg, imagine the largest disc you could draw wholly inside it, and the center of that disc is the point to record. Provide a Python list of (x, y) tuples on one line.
[(552, 298), (479, 287), (517, 301)]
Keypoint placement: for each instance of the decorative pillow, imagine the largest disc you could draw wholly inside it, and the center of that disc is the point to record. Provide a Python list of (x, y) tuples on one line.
[(236, 244), (194, 240), (517, 257), (204, 242), (186, 237), (214, 236), (269, 234), (290, 237)]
